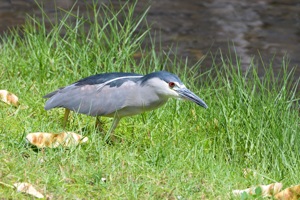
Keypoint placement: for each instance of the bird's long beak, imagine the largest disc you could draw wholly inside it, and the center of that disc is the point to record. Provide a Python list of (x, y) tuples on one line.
[(189, 95)]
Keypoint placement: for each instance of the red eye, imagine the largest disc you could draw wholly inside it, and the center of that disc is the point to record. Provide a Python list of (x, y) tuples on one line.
[(171, 84)]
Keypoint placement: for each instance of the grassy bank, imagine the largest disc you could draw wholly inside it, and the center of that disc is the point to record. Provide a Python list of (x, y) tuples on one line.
[(179, 151)]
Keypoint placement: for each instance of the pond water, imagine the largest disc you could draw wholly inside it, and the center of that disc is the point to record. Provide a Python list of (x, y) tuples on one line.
[(266, 29)]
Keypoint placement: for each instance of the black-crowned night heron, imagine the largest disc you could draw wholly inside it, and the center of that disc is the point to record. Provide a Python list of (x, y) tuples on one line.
[(119, 95)]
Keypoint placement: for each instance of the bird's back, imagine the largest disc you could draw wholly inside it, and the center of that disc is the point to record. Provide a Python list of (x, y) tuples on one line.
[(93, 95)]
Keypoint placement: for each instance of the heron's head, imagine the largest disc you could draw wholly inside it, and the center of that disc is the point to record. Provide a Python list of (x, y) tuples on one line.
[(169, 85)]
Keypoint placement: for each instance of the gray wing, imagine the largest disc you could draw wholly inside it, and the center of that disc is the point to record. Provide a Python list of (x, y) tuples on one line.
[(92, 100)]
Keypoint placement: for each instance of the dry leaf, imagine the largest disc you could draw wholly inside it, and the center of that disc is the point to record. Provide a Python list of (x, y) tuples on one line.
[(267, 190), (28, 189), (51, 140), (9, 98), (291, 193)]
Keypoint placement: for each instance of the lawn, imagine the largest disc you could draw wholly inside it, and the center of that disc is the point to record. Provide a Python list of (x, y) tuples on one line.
[(179, 151)]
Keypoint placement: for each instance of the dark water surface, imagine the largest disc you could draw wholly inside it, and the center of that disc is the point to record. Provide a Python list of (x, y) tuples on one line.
[(269, 29)]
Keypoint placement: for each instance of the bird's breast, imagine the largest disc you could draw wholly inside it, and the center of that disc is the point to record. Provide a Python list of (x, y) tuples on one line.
[(140, 101)]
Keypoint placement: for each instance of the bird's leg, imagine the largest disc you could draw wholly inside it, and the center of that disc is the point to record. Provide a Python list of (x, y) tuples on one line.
[(112, 128), (99, 124), (66, 116)]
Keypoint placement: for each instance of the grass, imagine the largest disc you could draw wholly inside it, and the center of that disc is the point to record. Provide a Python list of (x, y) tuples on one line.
[(179, 151)]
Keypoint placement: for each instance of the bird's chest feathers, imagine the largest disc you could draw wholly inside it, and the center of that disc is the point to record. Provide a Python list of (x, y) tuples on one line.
[(148, 99), (141, 100)]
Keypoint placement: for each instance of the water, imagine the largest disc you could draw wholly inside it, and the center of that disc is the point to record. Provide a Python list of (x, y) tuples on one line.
[(266, 29)]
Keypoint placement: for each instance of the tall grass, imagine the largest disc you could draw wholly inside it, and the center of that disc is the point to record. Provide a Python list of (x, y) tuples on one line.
[(179, 151)]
